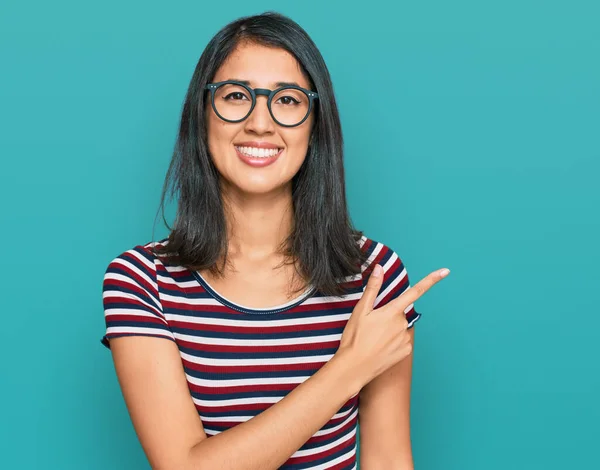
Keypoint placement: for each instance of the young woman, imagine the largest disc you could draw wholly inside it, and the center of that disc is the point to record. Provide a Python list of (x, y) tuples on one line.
[(264, 328)]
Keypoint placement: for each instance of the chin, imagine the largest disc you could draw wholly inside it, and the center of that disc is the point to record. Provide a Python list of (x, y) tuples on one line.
[(260, 186)]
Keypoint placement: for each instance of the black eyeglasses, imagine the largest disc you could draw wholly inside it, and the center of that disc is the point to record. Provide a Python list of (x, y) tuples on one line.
[(233, 101)]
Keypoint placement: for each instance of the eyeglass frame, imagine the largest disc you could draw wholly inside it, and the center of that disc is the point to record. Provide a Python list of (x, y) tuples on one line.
[(254, 92)]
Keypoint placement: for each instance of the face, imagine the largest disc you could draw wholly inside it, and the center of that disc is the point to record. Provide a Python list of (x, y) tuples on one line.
[(230, 144)]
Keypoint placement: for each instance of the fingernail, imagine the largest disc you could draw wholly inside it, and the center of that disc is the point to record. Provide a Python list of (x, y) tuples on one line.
[(377, 271), (444, 272)]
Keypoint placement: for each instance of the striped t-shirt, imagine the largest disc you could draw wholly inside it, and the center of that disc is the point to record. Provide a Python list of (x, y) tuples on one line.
[(238, 361)]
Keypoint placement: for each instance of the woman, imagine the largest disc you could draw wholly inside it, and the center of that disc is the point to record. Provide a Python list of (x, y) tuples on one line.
[(265, 318)]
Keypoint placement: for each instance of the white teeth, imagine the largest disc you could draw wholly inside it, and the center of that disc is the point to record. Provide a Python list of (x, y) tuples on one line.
[(258, 152)]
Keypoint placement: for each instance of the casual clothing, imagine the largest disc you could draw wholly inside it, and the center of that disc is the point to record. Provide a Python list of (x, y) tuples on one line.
[(239, 361)]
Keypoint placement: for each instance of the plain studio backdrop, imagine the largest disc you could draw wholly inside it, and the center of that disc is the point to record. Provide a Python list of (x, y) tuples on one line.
[(472, 141)]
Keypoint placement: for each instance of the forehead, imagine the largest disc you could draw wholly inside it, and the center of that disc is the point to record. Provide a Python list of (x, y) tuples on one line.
[(262, 66)]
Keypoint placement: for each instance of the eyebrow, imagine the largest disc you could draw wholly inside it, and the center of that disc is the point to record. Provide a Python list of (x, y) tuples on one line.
[(277, 85)]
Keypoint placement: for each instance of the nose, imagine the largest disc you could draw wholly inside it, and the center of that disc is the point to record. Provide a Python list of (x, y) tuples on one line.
[(260, 121)]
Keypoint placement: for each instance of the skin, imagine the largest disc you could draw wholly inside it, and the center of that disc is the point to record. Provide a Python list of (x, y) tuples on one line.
[(374, 357), (258, 200)]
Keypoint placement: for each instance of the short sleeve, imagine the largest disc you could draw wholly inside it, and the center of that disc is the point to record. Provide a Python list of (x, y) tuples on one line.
[(131, 298), (395, 278)]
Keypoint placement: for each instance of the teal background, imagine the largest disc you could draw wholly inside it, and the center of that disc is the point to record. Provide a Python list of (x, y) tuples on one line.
[(472, 142)]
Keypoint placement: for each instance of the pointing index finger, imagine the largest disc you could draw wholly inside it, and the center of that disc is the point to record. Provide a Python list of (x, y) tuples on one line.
[(413, 293)]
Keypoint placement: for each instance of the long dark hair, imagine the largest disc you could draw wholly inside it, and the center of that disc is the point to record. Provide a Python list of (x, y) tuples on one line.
[(323, 244)]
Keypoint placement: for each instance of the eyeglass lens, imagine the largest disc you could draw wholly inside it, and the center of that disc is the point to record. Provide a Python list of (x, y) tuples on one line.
[(233, 102)]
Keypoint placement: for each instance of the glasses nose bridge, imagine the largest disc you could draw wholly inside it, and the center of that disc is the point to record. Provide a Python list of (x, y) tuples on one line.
[(261, 92)]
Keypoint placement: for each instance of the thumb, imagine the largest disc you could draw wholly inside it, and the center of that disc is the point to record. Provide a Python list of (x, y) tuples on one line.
[(367, 301)]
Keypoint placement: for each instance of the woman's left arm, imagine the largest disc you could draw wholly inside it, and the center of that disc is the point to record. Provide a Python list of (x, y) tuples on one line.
[(384, 418)]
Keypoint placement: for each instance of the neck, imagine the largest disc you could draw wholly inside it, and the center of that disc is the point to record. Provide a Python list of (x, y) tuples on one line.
[(258, 224)]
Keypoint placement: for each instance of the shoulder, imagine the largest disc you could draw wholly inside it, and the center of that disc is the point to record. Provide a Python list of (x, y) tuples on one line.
[(138, 264), (140, 256), (131, 297), (377, 252), (395, 278), (395, 275)]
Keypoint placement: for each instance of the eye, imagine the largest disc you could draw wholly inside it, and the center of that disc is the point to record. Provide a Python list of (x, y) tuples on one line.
[(288, 100), (235, 96)]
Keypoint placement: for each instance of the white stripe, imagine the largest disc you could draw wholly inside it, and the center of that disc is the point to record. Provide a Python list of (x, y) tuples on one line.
[(175, 269), (362, 240), (235, 401), (334, 462), (252, 401), (394, 282), (243, 419), (343, 413), (180, 300), (116, 294), (209, 361), (140, 273), (258, 342), (411, 323), (245, 382), (175, 282), (115, 312), (185, 301), (372, 256), (128, 329), (324, 432), (138, 256), (226, 419), (260, 323), (332, 299), (331, 445)]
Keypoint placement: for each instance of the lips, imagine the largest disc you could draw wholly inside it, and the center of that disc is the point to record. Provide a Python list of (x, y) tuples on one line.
[(258, 144), (258, 157)]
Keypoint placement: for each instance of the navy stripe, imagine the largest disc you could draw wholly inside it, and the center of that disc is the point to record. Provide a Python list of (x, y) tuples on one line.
[(248, 412), (110, 304), (145, 296), (136, 324), (203, 311), (274, 375), (344, 450), (255, 354), (257, 336)]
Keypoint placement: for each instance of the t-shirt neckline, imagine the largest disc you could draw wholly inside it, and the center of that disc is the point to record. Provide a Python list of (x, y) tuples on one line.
[(260, 311)]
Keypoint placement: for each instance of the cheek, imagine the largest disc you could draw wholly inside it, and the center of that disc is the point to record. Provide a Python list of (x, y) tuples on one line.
[(299, 137), (219, 134), (299, 141)]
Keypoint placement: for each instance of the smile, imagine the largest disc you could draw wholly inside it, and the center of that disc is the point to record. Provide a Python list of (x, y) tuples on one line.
[(258, 157), (258, 152)]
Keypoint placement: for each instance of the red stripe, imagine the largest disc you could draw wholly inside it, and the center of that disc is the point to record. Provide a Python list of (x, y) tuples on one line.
[(259, 328), (191, 308), (233, 408), (252, 368), (399, 288), (342, 431), (133, 275), (324, 454), (248, 350), (132, 318), (273, 387), (350, 461)]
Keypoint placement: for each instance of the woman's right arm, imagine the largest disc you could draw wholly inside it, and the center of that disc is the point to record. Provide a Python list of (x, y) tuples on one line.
[(155, 390)]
